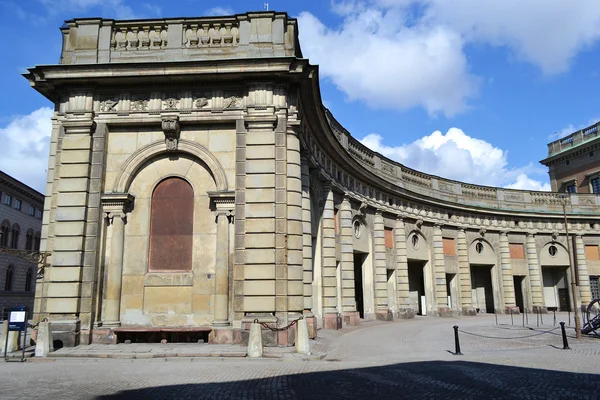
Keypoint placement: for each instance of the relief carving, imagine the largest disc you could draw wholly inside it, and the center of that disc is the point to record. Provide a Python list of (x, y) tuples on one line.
[(138, 103), (171, 129), (233, 102), (108, 105)]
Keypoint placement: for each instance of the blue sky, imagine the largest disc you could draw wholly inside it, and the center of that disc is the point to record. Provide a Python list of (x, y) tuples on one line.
[(470, 90)]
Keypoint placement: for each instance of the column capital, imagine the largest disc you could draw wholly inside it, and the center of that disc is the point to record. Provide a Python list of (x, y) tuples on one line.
[(117, 203), (504, 232), (80, 125), (531, 234), (399, 218), (437, 225), (462, 230)]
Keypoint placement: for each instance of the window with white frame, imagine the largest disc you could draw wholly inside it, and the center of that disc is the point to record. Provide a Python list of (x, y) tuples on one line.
[(17, 204), (7, 199), (31, 210)]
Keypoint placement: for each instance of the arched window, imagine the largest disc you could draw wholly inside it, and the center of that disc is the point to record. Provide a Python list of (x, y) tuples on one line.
[(37, 241), (9, 278), (29, 240), (171, 226), (29, 280), (14, 240), (4, 233)]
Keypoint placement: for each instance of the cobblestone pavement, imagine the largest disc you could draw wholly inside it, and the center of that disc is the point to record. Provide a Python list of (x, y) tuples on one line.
[(406, 359)]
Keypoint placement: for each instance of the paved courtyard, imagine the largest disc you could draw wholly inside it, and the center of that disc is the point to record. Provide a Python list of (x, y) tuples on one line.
[(406, 359)]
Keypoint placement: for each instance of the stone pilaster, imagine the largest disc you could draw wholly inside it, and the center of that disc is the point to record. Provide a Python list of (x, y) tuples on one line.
[(307, 261), (330, 311), (115, 207), (508, 283), (439, 271), (295, 232), (382, 310), (585, 294), (351, 316), (464, 273), (402, 287), (260, 236), (239, 243), (221, 315), (535, 282)]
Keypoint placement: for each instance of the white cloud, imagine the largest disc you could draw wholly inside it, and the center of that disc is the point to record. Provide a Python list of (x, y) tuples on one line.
[(547, 33), (372, 57), (401, 54), (455, 155), (117, 8), (219, 11), (25, 147)]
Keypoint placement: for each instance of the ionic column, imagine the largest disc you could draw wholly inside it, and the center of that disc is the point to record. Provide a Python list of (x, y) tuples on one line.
[(585, 294), (537, 295), (439, 270), (347, 263), (307, 261), (402, 287), (464, 273), (381, 298), (507, 276), (329, 262), (115, 207), (221, 317)]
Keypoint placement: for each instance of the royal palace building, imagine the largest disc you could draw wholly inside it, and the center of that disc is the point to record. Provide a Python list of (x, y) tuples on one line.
[(196, 183)]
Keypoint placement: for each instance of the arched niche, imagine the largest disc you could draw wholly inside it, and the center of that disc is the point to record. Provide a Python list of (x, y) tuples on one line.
[(417, 247), (554, 254), (481, 252)]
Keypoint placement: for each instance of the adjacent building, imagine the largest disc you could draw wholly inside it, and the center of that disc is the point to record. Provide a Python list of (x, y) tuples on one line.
[(196, 183), (20, 232), (574, 162)]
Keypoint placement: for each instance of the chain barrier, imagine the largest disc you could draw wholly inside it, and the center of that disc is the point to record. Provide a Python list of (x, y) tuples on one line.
[(514, 337), (284, 328)]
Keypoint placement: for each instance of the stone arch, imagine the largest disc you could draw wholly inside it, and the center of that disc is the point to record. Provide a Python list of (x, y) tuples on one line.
[(487, 256), (138, 159), (5, 230), (561, 257), (420, 251)]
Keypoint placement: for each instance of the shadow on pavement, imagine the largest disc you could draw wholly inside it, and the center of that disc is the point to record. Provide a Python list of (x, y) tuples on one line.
[(417, 380)]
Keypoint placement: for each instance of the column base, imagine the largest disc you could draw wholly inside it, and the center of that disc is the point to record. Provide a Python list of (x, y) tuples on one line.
[(352, 318), (332, 321), (405, 313), (445, 312), (221, 336), (540, 310), (468, 311), (220, 324), (384, 315)]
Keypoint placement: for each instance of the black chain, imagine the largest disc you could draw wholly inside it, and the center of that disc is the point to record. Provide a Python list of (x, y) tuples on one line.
[(515, 337), (284, 328)]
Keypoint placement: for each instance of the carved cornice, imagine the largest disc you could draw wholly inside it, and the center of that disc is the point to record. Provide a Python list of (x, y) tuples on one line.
[(222, 201), (117, 202)]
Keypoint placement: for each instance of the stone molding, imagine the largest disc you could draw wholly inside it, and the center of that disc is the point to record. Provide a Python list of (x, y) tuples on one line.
[(131, 166)]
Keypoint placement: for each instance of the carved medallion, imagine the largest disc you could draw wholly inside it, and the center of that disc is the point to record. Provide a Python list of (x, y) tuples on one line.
[(171, 129)]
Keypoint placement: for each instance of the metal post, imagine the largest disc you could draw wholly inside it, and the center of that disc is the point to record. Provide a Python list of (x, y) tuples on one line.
[(496, 316), (569, 317), (511, 318), (541, 318), (524, 318), (564, 335), (456, 342), (554, 323), (527, 317), (537, 317), (573, 276)]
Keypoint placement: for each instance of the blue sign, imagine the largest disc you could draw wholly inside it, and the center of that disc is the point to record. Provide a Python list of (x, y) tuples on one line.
[(17, 319)]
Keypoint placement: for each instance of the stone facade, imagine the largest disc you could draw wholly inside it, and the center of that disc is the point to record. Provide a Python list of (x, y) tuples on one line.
[(275, 211), (21, 222), (573, 161)]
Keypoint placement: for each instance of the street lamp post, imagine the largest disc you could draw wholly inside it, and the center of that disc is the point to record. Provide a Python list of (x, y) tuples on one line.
[(573, 278)]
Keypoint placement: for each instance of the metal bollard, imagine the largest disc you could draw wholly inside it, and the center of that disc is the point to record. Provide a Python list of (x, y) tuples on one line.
[(524, 318), (456, 342), (564, 335), (511, 318), (554, 323), (496, 315)]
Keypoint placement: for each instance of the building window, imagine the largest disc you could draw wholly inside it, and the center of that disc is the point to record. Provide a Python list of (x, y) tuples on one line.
[(9, 279), (171, 226), (571, 188), (17, 204), (28, 280), (517, 251), (7, 199), (595, 286), (29, 240), (552, 250), (4, 233), (38, 213), (449, 247), (32, 211), (389, 238), (37, 241), (595, 184), (415, 241), (479, 247), (592, 253), (14, 240)]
